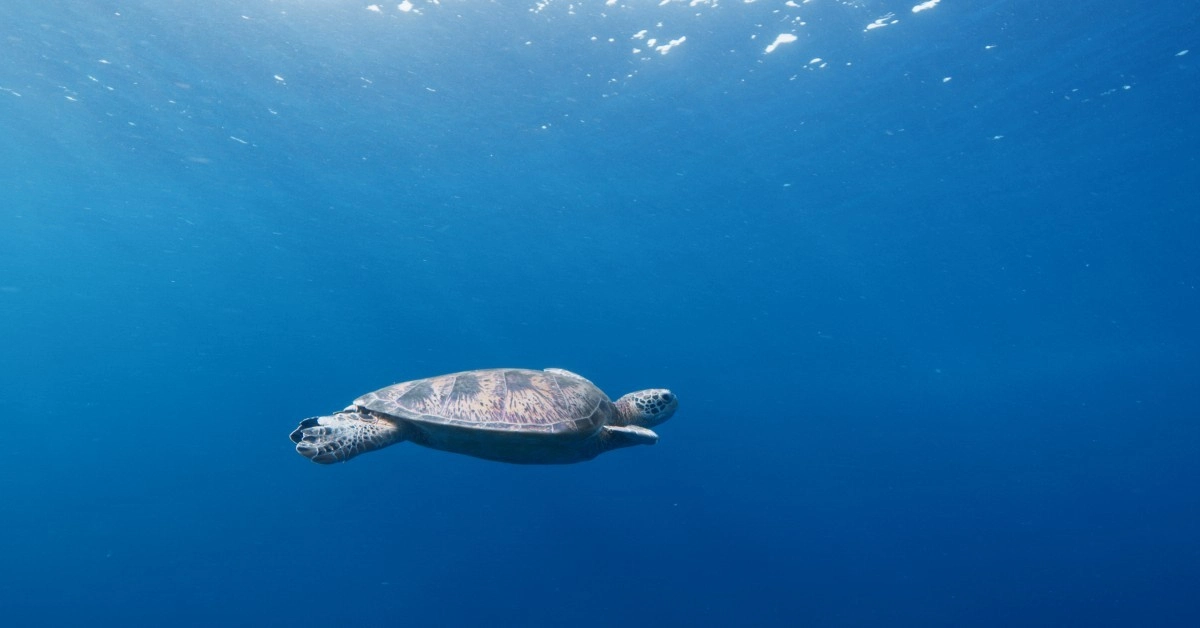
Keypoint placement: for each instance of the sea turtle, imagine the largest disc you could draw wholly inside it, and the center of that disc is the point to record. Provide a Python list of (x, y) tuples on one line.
[(511, 415)]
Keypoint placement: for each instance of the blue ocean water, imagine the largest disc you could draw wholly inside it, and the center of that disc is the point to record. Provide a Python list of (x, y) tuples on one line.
[(924, 277)]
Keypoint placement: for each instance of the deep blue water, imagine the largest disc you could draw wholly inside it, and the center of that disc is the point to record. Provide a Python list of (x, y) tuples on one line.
[(930, 305)]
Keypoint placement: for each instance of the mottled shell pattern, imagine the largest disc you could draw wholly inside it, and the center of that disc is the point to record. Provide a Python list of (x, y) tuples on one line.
[(510, 400)]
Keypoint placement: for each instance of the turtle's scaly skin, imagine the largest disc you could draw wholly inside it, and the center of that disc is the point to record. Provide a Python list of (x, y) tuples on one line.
[(511, 415)]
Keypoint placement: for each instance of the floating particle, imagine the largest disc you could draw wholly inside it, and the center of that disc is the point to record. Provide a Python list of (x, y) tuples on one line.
[(784, 38)]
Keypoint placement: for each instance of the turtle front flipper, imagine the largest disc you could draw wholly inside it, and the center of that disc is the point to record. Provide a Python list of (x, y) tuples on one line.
[(344, 435), (615, 437)]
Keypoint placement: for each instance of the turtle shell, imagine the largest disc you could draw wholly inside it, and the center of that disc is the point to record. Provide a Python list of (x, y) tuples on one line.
[(521, 401)]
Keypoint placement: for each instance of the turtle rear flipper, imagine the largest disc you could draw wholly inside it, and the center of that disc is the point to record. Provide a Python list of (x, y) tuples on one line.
[(344, 435)]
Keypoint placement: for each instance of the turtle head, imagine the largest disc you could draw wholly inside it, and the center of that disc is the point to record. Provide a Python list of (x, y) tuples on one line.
[(646, 408)]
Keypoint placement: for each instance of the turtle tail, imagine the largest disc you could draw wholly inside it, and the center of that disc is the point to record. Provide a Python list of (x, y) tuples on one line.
[(343, 435)]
